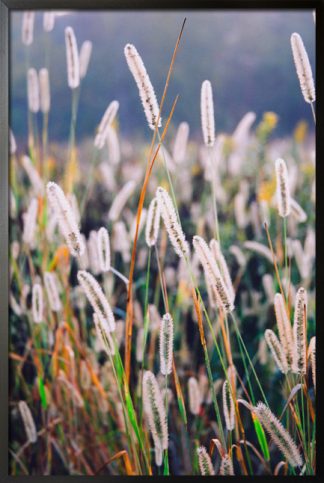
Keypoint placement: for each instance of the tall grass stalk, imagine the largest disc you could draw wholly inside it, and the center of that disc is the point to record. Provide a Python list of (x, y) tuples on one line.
[(212, 182)]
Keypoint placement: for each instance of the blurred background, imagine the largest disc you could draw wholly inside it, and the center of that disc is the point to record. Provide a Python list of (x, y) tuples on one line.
[(245, 54)]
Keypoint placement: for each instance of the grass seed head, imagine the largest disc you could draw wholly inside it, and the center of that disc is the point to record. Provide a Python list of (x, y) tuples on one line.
[(194, 395), (103, 249), (180, 143), (37, 303), (48, 21), (171, 223), (279, 434), (300, 331), (28, 421), (152, 223), (66, 219), (155, 410), (97, 299), (204, 461), (105, 123), (207, 113), (72, 59), (228, 406), (52, 291), (27, 32), (283, 190), (276, 350), (166, 344), (85, 55), (226, 467), (33, 90), (44, 89), (212, 273), (303, 68), (145, 88)]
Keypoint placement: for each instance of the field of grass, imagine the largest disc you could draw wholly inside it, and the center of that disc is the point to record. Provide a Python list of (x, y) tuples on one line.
[(162, 294)]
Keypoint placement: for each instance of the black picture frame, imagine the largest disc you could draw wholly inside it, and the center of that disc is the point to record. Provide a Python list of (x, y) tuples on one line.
[(6, 7)]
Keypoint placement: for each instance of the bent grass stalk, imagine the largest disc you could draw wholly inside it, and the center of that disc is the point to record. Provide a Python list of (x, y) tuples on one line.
[(149, 168)]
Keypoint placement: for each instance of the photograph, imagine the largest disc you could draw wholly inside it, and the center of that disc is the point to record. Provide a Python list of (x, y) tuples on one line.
[(162, 243)]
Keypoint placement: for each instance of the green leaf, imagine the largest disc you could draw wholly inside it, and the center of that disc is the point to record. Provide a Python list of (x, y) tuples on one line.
[(166, 464), (182, 410), (42, 392), (261, 438)]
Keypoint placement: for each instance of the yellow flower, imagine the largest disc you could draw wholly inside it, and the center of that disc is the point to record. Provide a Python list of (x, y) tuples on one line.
[(267, 190), (300, 131), (271, 119), (267, 125)]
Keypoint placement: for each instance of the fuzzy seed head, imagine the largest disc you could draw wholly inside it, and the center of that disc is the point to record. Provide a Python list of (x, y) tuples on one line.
[(228, 407), (97, 299), (297, 211), (194, 395), (28, 27), (113, 146), (30, 223), (276, 350), (72, 59), (66, 219), (204, 461), (207, 113), (33, 90), (105, 123), (37, 303), (180, 143), (44, 87), (145, 88), (312, 356), (212, 273), (152, 223), (104, 334), (28, 421), (92, 245), (283, 191), (12, 142), (221, 262), (48, 21), (166, 344), (85, 54), (279, 435), (284, 328), (52, 291), (300, 331), (172, 225), (154, 410), (103, 249), (226, 467), (158, 454), (303, 68)]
